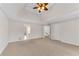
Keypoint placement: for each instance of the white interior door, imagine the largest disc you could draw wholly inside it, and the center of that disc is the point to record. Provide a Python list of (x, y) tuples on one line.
[(46, 30)]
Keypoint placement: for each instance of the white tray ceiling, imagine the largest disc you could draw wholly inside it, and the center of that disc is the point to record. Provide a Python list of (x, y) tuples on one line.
[(25, 12)]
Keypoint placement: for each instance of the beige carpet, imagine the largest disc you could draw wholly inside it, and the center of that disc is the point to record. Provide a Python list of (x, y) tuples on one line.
[(40, 47)]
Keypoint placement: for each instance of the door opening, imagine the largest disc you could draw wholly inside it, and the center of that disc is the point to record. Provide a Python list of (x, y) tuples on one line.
[(46, 31)]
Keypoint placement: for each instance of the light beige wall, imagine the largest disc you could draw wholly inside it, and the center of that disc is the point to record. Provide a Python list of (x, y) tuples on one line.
[(3, 31), (16, 30), (67, 31)]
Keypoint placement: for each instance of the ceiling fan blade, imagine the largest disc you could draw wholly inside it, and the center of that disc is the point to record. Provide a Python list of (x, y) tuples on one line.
[(46, 4), (37, 3), (39, 11), (45, 8), (35, 7)]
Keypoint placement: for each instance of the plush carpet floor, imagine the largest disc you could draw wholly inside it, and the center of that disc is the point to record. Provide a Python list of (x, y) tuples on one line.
[(40, 47)]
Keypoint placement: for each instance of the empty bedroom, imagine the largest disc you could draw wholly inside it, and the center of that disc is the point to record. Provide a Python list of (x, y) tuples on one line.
[(39, 29)]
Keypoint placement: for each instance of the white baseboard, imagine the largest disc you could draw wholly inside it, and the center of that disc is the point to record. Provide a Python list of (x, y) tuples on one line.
[(24, 40), (77, 44), (72, 43), (2, 49)]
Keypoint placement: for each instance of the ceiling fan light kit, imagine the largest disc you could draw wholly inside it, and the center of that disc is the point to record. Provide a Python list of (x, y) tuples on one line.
[(41, 7)]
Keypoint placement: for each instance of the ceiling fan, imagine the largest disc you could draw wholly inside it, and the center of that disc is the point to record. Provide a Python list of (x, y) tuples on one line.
[(41, 6)]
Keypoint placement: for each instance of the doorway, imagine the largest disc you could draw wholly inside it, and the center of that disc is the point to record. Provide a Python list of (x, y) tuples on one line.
[(46, 31), (27, 31)]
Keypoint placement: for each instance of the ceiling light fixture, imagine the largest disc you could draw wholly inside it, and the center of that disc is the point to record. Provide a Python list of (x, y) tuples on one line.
[(41, 6)]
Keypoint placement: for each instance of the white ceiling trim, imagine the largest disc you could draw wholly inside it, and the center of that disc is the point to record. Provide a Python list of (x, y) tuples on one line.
[(66, 17)]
